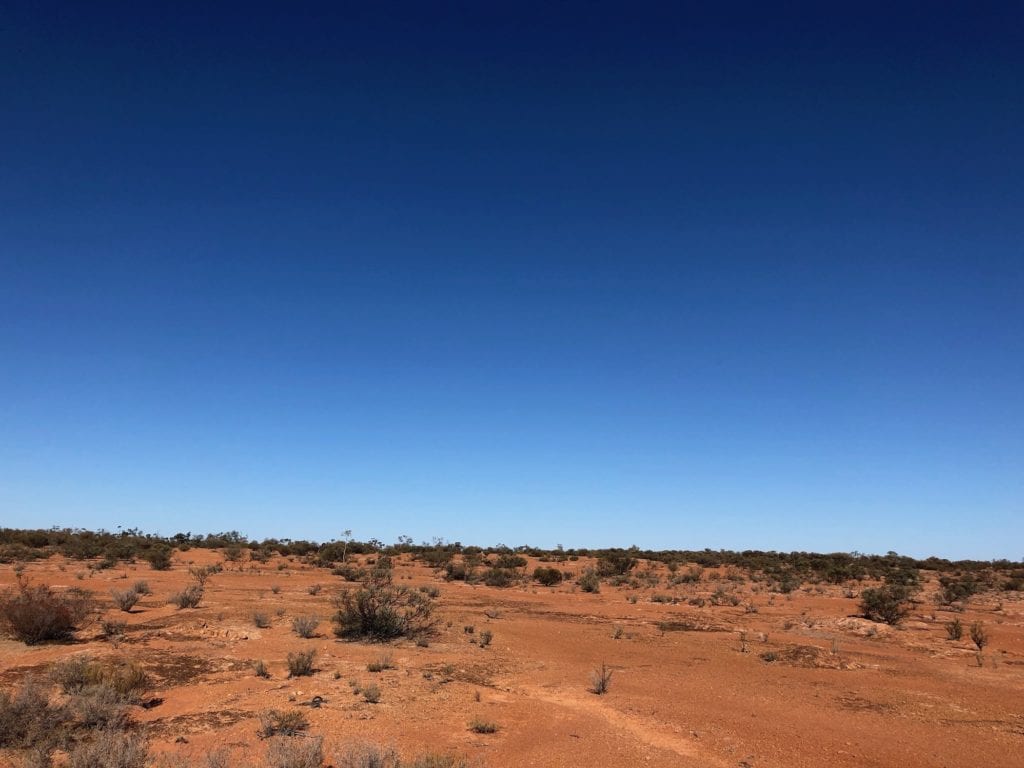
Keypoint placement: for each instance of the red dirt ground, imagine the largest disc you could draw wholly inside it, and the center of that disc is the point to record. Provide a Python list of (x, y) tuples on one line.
[(694, 695)]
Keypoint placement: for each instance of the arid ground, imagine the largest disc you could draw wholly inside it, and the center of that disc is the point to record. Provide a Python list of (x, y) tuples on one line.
[(773, 681)]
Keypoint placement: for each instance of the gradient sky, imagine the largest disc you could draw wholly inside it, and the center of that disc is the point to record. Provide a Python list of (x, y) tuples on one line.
[(592, 274)]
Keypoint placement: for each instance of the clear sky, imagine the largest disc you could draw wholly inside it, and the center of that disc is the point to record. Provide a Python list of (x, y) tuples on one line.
[(592, 274)]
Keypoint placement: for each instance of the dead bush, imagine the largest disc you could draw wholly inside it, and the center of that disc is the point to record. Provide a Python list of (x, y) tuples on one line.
[(126, 680), (37, 614), (26, 717), (295, 753), (190, 597), (278, 722), (126, 599), (110, 749), (300, 663), (601, 680), (305, 626)]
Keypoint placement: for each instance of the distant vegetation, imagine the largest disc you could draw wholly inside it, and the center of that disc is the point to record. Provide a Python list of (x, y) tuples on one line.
[(503, 566)]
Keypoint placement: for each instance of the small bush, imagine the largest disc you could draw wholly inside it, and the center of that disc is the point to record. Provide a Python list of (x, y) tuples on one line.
[(485, 638), (549, 577), (589, 581), (159, 559), (371, 694), (383, 612), (277, 722), (954, 630), (261, 620), (126, 680), (26, 717), (499, 577), (367, 756), (125, 600), (100, 707), (305, 626), (111, 629), (483, 726), (457, 572), (142, 588), (295, 753), (314, 589), (37, 614), (260, 668), (382, 662), (888, 604), (110, 749), (300, 663), (600, 680), (190, 597)]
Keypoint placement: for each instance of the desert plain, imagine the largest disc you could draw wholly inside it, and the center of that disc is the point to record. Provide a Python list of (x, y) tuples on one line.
[(716, 671)]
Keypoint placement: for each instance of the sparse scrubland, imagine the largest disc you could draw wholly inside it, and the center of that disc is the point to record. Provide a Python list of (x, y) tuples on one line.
[(287, 654)]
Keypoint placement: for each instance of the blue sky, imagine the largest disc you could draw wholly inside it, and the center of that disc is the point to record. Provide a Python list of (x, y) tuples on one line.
[(589, 274)]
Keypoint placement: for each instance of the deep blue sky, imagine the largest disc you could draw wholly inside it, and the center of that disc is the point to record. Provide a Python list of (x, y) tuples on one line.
[(588, 274)]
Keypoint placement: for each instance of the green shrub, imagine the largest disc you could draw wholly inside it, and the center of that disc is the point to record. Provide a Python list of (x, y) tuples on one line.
[(549, 577), (888, 604), (499, 577), (383, 612), (159, 559), (589, 581), (615, 564)]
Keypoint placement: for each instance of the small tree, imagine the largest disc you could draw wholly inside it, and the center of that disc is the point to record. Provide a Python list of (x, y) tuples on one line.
[(889, 603), (979, 635)]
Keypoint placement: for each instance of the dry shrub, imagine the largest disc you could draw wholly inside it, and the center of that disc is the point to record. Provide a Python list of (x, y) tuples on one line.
[(295, 753), (37, 614), (305, 626), (100, 708), (189, 597), (125, 600), (26, 718), (110, 749), (300, 663), (278, 722), (601, 680), (373, 756), (367, 756), (79, 674)]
